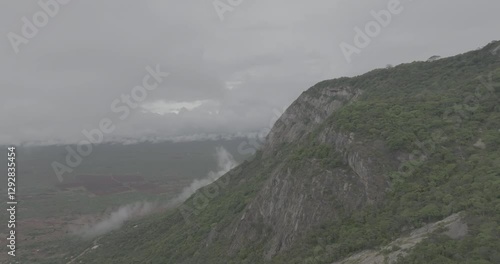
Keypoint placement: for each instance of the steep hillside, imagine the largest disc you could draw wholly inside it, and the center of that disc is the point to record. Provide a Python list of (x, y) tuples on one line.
[(353, 164)]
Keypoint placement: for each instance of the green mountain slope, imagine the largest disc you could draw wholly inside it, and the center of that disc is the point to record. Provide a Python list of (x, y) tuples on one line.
[(353, 164)]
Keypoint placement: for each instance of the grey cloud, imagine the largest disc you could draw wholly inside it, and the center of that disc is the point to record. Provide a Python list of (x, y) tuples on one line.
[(259, 59)]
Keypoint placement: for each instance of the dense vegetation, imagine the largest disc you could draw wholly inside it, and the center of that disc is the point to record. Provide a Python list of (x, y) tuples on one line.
[(445, 114)]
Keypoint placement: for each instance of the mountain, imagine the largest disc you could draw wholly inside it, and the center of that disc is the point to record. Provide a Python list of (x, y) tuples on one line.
[(399, 165)]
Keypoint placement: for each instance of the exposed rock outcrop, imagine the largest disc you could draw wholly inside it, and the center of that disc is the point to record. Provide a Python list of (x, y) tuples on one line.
[(455, 228), (293, 201)]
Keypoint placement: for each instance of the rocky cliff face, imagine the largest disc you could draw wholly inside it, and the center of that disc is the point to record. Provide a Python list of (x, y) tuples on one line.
[(292, 201), (307, 113)]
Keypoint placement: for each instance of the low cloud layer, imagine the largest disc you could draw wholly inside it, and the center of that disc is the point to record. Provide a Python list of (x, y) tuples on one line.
[(226, 76), (116, 219), (225, 162)]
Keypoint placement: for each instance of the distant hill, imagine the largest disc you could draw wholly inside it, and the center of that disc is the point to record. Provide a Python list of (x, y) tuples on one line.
[(353, 168), (164, 161)]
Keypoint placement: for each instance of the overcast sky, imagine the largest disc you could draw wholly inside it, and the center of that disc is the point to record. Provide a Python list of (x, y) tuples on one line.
[(229, 75)]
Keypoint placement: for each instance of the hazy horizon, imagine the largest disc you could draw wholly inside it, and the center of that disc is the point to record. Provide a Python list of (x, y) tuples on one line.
[(210, 72)]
